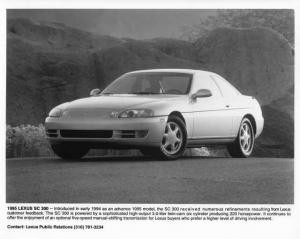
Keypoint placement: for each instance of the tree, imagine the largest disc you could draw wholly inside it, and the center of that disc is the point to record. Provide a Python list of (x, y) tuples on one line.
[(280, 20)]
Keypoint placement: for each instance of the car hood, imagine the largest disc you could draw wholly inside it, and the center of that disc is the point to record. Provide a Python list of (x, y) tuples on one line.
[(115, 102)]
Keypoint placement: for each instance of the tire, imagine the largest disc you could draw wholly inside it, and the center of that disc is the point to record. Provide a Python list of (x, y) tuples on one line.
[(69, 151), (244, 143), (173, 142)]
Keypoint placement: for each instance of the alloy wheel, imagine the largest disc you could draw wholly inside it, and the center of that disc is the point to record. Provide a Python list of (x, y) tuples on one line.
[(246, 138), (172, 138)]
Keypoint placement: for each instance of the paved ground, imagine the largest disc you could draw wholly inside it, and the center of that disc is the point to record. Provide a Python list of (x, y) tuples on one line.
[(145, 180)]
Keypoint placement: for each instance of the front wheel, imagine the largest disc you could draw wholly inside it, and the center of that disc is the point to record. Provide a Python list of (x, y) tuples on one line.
[(244, 143), (69, 151), (173, 141)]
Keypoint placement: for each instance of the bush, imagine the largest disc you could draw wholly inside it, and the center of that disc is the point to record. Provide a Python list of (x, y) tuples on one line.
[(27, 141)]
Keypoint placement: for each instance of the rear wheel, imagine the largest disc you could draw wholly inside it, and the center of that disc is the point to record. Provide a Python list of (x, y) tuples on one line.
[(173, 141), (69, 151), (244, 143)]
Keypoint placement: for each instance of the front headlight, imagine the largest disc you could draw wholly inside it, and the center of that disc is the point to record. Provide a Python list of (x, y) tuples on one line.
[(136, 113), (56, 112)]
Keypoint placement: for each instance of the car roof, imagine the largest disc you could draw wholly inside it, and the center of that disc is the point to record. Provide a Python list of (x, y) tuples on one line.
[(175, 70)]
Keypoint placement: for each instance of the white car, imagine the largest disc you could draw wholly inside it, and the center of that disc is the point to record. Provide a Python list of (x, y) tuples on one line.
[(161, 112)]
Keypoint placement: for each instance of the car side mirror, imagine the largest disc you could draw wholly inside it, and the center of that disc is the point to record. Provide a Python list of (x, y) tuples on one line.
[(95, 92), (201, 94)]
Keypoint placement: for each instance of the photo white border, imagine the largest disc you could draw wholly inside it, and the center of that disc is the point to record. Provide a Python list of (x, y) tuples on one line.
[(280, 228)]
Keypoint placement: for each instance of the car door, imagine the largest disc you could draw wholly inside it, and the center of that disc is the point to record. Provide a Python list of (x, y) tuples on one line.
[(211, 116), (233, 99)]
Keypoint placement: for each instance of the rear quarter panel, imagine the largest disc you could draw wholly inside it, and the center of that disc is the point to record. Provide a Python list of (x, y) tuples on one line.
[(242, 106)]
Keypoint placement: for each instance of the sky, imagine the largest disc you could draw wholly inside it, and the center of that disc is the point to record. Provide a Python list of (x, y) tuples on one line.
[(137, 23)]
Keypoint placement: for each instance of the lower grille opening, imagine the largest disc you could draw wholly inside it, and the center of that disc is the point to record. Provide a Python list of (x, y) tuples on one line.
[(130, 133), (52, 133), (86, 133), (127, 134)]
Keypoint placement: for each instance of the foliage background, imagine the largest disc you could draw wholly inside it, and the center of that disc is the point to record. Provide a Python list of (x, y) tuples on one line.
[(280, 20)]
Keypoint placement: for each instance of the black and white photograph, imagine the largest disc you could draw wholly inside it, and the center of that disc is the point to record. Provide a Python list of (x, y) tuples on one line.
[(150, 106)]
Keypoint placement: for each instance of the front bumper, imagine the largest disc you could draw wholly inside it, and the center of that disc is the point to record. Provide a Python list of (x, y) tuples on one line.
[(154, 126)]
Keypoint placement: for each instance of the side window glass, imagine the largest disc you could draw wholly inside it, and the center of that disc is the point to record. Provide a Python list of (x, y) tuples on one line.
[(225, 87), (205, 82), (212, 86)]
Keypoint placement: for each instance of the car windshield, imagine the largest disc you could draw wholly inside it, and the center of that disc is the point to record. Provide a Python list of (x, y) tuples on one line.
[(151, 83)]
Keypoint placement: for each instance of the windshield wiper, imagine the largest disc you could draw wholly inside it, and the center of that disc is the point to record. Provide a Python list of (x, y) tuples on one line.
[(106, 93), (144, 93), (134, 93)]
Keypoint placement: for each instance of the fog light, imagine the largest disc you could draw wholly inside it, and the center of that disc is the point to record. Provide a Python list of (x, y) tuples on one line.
[(141, 133)]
